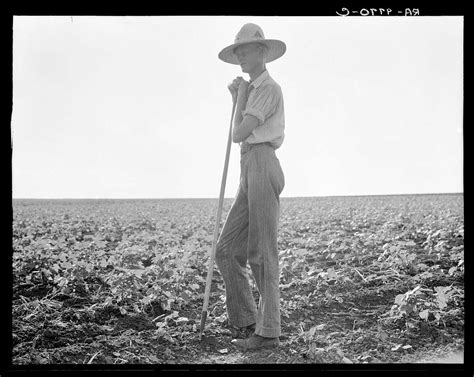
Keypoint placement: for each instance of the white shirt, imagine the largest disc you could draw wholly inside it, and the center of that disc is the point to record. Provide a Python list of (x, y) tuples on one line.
[(265, 102)]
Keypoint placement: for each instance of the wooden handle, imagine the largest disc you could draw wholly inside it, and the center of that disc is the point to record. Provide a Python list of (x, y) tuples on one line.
[(216, 228)]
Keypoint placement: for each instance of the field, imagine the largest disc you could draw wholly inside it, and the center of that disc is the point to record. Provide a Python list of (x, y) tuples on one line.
[(363, 280)]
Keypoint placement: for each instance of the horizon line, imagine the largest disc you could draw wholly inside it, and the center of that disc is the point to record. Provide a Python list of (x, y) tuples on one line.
[(215, 198)]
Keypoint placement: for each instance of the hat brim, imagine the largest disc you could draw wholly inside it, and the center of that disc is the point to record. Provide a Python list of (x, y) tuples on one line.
[(276, 49)]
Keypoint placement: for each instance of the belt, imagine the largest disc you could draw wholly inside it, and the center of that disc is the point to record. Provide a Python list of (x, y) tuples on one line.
[(245, 147)]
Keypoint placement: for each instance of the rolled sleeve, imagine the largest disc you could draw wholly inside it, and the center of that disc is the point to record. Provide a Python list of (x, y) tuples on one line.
[(256, 113), (264, 103)]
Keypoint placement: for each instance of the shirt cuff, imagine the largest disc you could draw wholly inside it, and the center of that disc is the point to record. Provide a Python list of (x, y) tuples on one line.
[(256, 113)]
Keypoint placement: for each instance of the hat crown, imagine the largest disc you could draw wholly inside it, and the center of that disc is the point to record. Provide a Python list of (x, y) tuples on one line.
[(249, 32)]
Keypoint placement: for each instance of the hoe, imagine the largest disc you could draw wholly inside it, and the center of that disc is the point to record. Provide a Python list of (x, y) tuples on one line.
[(216, 228)]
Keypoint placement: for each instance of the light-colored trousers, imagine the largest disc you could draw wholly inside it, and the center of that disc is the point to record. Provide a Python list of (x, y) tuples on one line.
[(250, 234)]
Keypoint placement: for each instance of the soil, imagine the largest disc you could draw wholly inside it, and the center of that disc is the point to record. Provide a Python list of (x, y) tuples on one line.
[(132, 292)]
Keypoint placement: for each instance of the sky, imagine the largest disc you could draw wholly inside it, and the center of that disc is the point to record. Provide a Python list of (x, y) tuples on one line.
[(138, 107)]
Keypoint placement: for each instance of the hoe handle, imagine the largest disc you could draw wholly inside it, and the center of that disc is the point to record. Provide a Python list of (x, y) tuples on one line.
[(216, 228)]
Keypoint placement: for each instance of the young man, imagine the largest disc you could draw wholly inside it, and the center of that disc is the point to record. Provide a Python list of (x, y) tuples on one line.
[(251, 228)]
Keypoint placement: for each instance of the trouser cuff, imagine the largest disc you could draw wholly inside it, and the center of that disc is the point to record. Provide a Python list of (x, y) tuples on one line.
[(243, 322), (267, 332)]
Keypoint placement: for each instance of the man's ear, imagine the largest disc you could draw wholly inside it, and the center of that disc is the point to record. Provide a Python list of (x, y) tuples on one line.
[(264, 52)]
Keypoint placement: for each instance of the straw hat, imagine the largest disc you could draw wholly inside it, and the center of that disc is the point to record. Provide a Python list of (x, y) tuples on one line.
[(250, 33)]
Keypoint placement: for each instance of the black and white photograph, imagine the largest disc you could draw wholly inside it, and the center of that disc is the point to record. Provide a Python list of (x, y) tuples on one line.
[(238, 190)]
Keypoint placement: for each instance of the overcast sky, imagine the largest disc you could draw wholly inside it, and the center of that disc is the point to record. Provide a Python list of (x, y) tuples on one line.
[(138, 107)]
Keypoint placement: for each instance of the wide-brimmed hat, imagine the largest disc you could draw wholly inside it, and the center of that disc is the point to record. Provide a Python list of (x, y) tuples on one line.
[(251, 33)]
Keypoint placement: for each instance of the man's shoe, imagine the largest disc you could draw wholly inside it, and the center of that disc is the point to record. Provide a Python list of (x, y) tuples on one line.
[(256, 342)]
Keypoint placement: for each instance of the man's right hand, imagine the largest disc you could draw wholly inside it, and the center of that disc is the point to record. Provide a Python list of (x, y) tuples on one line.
[(234, 87)]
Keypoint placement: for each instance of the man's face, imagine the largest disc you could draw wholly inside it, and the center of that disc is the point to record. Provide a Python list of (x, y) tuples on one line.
[(250, 56)]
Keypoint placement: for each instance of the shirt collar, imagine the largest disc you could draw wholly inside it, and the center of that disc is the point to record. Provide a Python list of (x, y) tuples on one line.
[(256, 83)]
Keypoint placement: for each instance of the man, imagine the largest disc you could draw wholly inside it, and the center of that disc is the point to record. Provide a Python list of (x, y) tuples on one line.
[(251, 228)]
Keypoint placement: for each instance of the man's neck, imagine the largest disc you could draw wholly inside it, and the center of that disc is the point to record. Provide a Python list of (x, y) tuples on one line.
[(253, 75)]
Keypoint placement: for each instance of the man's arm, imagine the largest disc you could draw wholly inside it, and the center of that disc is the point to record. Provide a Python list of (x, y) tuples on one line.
[(243, 126), (243, 129)]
